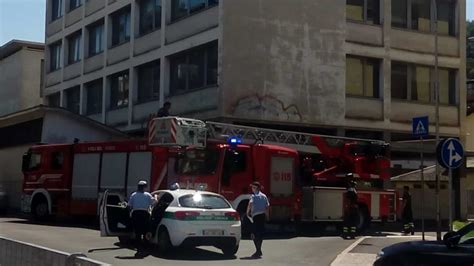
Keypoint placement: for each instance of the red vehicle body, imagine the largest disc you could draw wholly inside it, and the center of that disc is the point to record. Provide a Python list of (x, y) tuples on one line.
[(69, 179), (303, 181)]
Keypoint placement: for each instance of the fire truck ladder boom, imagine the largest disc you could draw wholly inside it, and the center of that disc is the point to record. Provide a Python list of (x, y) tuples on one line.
[(296, 140)]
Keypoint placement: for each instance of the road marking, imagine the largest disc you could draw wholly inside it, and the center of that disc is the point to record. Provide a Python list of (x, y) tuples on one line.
[(346, 258), (339, 260), (351, 247)]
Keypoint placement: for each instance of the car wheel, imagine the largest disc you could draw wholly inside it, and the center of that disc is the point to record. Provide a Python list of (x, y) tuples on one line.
[(230, 251), (164, 242), (125, 240)]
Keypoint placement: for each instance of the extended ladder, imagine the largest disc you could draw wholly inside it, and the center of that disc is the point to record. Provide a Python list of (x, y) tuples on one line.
[(296, 140)]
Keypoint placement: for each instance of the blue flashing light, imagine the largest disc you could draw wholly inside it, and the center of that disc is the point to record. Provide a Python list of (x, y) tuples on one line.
[(235, 140)]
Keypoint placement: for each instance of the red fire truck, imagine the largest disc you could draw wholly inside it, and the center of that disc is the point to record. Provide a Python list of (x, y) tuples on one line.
[(303, 174)]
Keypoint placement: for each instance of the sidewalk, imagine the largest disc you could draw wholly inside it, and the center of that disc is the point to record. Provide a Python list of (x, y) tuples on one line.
[(364, 251)]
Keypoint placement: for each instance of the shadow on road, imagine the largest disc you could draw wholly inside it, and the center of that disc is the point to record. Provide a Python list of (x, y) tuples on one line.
[(189, 254), (250, 258), (103, 249), (194, 254)]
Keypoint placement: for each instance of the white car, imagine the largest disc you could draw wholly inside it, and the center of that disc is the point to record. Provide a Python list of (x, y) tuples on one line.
[(180, 218)]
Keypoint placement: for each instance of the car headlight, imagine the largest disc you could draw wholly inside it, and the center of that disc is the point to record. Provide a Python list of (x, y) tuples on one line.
[(380, 255)]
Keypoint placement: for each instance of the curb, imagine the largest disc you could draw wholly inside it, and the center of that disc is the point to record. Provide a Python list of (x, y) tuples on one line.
[(15, 252)]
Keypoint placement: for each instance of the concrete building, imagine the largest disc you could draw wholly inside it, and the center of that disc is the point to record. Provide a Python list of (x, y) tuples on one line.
[(21, 65), (354, 68)]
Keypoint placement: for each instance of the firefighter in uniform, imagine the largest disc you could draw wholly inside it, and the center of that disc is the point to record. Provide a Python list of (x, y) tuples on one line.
[(350, 209), (407, 213)]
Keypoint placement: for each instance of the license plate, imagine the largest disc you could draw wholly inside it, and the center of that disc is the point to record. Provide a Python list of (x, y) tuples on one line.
[(213, 232)]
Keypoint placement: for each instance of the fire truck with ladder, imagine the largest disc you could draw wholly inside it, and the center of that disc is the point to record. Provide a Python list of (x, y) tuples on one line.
[(302, 174)]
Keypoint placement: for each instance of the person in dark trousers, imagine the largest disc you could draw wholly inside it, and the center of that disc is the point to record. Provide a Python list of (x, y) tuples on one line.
[(350, 209), (407, 213), (139, 204), (257, 211), (165, 110)]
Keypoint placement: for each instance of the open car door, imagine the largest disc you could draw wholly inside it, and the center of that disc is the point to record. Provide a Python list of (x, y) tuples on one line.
[(114, 218)]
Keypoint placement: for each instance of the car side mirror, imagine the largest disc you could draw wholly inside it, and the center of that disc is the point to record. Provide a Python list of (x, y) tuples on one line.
[(451, 239)]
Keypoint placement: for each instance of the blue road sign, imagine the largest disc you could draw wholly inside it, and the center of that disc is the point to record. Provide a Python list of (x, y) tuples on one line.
[(450, 153), (421, 126)]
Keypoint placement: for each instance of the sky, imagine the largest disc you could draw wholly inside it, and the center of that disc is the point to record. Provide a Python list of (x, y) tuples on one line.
[(24, 19)]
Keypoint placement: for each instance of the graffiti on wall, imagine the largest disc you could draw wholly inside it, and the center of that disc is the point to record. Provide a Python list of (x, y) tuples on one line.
[(265, 107)]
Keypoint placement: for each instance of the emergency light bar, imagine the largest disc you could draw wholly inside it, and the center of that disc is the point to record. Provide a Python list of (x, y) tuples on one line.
[(234, 140)]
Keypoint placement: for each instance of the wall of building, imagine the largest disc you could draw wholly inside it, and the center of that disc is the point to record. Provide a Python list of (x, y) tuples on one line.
[(20, 80), (287, 63), (30, 94), (173, 37), (283, 62), (467, 194), (274, 66), (58, 128), (429, 202), (10, 67)]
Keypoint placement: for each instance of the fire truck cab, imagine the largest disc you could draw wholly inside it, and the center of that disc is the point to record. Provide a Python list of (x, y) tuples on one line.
[(227, 166), (230, 169)]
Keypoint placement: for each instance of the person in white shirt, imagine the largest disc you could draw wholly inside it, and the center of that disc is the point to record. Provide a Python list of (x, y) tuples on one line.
[(257, 210), (140, 203)]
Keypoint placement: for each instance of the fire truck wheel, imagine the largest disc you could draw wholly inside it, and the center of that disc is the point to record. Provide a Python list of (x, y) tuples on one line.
[(364, 218), (164, 242), (40, 208)]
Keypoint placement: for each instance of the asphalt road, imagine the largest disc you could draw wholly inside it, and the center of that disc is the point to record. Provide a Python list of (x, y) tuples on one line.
[(279, 250)]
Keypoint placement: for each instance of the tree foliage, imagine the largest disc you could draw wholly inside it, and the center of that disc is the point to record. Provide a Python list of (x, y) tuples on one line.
[(470, 28)]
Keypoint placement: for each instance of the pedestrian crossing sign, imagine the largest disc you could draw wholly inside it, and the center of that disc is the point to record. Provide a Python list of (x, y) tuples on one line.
[(420, 126)]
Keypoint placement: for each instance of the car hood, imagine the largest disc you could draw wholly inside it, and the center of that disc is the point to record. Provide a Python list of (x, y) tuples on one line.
[(413, 246)]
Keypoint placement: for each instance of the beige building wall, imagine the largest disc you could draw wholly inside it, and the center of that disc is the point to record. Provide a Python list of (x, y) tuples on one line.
[(30, 94), (10, 68), (20, 79), (286, 63), (467, 195), (283, 62)]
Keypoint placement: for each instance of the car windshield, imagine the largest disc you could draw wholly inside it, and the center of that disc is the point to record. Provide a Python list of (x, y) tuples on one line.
[(467, 232), (203, 201), (198, 162)]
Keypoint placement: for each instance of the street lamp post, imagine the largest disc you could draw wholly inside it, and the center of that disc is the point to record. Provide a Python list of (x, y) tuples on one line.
[(436, 85)]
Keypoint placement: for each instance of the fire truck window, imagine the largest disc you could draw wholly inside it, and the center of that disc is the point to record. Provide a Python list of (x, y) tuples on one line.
[(57, 160), (234, 162), (198, 162), (358, 149), (35, 162)]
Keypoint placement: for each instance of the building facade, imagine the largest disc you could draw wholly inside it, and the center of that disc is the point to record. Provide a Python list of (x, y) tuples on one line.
[(21, 66), (356, 68)]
